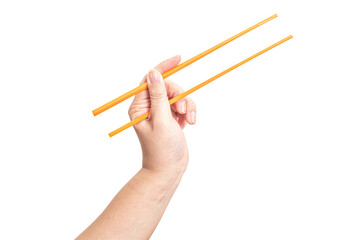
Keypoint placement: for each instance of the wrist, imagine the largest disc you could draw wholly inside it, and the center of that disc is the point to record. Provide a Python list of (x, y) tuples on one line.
[(165, 176), (164, 168)]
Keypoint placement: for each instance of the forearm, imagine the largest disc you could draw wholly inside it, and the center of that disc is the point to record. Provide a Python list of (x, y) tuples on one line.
[(137, 209)]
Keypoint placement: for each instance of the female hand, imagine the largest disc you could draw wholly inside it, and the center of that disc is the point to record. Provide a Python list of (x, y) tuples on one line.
[(161, 137)]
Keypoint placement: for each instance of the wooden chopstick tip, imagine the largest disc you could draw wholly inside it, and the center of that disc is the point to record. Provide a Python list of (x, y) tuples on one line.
[(289, 37), (113, 133)]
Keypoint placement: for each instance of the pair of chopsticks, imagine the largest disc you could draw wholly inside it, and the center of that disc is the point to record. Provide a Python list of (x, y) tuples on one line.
[(181, 66)]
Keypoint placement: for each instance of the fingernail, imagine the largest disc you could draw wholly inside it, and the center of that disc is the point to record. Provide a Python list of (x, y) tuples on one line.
[(154, 77), (193, 117), (183, 107)]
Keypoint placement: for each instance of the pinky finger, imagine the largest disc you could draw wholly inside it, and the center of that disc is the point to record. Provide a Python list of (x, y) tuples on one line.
[(191, 111)]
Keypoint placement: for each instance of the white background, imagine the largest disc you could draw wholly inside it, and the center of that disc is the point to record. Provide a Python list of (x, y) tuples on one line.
[(276, 150)]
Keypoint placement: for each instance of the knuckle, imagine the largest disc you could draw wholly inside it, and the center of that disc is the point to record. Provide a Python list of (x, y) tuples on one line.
[(133, 109), (131, 112), (157, 95)]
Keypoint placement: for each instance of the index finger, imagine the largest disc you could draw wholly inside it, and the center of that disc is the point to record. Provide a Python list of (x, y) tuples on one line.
[(162, 68), (168, 64)]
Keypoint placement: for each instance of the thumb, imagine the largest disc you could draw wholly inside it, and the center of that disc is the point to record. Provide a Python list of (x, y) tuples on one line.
[(159, 105)]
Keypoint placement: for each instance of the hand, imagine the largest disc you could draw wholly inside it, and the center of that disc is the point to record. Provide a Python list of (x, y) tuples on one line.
[(161, 137), (136, 210)]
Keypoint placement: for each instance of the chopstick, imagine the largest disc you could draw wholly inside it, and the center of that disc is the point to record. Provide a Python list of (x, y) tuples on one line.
[(177, 68), (186, 93)]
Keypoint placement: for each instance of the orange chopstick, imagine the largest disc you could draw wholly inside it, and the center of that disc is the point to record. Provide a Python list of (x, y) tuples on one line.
[(186, 93), (177, 68)]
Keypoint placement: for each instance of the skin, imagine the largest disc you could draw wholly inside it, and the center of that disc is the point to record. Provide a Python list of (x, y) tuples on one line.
[(136, 210)]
